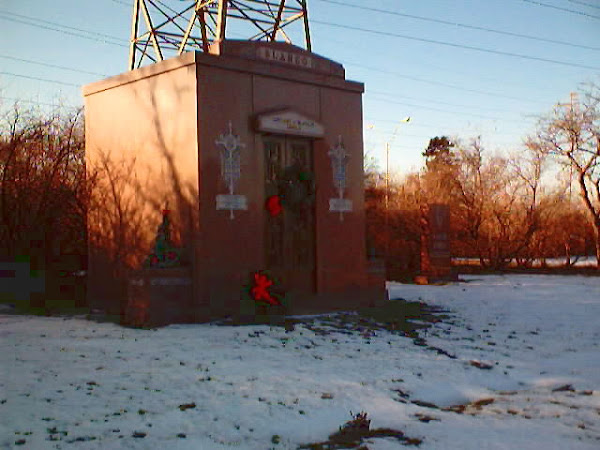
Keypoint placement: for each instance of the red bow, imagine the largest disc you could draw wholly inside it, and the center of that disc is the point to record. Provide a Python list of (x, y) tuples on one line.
[(274, 205), (260, 290)]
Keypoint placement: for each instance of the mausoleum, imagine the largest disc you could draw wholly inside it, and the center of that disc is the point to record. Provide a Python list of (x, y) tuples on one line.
[(257, 149)]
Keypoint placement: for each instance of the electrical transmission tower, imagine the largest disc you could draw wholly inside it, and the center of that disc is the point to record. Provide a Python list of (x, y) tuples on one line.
[(174, 27)]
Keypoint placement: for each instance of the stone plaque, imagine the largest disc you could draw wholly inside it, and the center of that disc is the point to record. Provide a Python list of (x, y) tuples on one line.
[(291, 123), (232, 202), (340, 205)]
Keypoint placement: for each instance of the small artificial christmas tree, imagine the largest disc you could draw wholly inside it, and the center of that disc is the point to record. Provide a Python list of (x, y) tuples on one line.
[(165, 254)]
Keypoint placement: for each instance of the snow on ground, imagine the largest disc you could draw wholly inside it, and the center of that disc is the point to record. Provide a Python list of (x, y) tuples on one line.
[(71, 383)]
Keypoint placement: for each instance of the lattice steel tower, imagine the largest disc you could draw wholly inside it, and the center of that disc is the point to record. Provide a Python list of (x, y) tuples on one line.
[(174, 27)]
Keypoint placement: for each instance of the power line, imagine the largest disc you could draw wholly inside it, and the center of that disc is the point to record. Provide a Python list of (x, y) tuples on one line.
[(446, 111), (60, 25), (584, 4), (438, 67), (35, 102), (450, 44), (52, 65), (362, 66), (121, 2), (439, 83), (31, 21), (428, 126), (572, 11), (421, 99), (18, 75), (391, 121), (461, 25), (383, 139)]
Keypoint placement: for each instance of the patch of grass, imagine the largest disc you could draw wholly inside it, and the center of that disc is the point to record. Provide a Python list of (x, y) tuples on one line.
[(105, 318), (82, 439), (424, 404), (396, 316), (425, 418), (54, 430), (187, 406), (564, 388), (56, 307), (355, 431), (399, 312), (470, 408), (482, 402)]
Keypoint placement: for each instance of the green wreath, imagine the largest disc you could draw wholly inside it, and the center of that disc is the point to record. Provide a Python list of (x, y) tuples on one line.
[(296, 188)]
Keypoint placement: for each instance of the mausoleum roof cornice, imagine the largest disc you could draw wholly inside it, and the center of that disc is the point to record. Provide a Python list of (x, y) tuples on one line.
[(270, 59)]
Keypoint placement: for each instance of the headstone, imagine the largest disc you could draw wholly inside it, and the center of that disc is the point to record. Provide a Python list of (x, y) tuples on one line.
[(436, 257)]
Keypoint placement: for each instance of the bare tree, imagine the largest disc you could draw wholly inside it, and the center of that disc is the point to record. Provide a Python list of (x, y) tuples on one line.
[(42, 183), (565, 231), (526, 171), (572, 135), (468, 214), (372, 172), (495, 200)]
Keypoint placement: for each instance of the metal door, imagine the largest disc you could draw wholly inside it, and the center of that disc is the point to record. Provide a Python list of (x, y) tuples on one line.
[(290, 233)]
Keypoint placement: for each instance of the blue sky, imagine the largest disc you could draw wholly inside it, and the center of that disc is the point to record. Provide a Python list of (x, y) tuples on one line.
[(413, 61)]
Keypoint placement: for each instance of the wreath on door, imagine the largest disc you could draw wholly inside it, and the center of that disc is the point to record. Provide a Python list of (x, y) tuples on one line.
[(296, 188)]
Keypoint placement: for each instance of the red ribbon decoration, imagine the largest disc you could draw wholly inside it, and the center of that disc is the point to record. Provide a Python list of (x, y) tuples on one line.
[(274, 205), (260, 290)]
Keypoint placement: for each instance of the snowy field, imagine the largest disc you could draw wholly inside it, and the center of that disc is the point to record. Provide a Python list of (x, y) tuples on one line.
[(515, 366)]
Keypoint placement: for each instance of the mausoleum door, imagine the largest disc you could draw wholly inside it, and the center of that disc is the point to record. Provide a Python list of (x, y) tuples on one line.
[(290, 234)]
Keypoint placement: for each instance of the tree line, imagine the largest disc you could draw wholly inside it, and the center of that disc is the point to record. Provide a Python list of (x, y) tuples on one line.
[(538, 203)]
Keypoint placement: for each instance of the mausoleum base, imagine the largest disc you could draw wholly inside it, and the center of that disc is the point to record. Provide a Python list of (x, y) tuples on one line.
[(158, 297)]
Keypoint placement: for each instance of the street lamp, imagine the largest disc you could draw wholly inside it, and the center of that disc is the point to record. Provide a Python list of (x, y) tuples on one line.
[(387, 189), (387, 159)]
